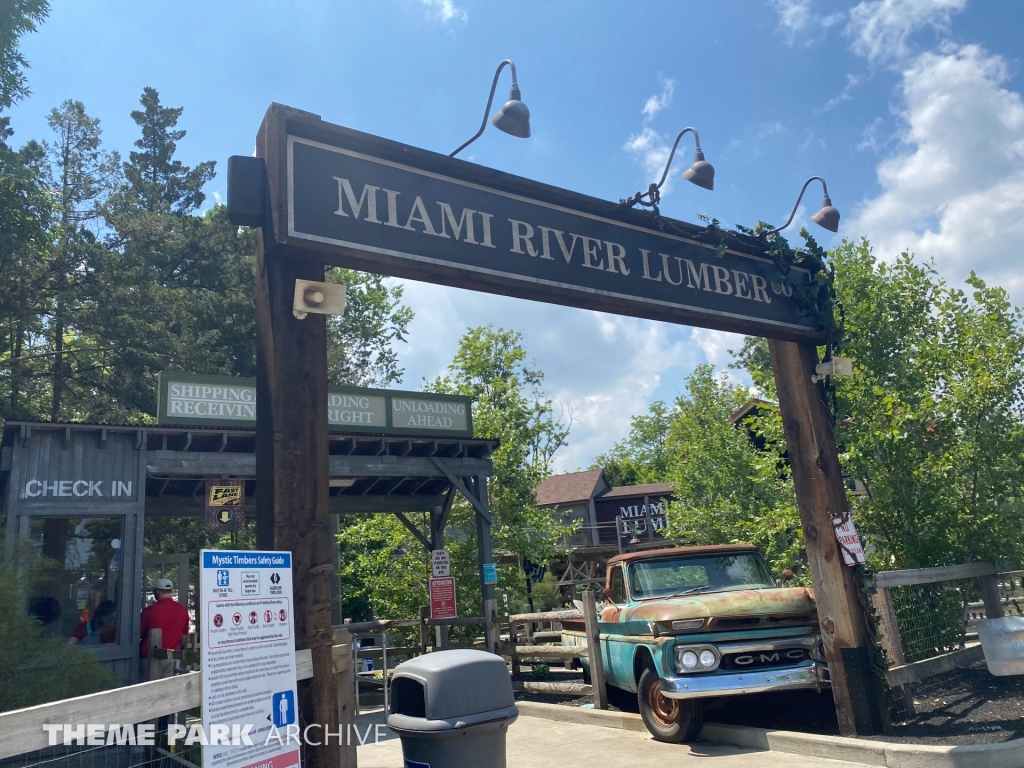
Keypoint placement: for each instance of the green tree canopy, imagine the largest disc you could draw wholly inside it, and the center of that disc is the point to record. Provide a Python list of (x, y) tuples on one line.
[(643, 456), (933, 417), (726, 490), (17, 17), (492, 367)]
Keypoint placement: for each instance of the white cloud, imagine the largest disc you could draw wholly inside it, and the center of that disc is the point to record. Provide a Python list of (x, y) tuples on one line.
[(606, 366), (799, 17), (649, 146), (659, 101), (794, 15), (446, 11), (880, 28), (955, 188), (844, 95), (716, 345), (652, 150)]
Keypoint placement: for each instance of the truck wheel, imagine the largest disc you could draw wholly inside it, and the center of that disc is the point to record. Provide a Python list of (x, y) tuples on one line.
[(586, 675), (671, 720)]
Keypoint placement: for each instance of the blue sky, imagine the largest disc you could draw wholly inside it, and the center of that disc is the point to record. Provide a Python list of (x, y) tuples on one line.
[(910, 109)]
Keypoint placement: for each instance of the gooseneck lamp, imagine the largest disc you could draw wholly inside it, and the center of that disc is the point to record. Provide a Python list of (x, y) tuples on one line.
[(827, 217), (513, 118), (701, 173)]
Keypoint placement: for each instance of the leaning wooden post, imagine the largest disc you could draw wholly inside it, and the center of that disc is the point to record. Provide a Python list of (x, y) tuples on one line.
[(593, 631), (344, 685), (293, 512), (821, 497)]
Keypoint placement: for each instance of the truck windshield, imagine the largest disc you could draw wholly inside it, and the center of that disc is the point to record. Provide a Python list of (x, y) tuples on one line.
[(665, 577)]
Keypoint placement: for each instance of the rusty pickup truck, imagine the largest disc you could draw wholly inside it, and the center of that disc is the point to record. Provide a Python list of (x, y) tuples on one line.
[(679, 626)]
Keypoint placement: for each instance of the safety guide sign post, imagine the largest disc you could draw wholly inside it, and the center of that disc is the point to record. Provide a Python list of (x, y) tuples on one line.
[(248, 648)]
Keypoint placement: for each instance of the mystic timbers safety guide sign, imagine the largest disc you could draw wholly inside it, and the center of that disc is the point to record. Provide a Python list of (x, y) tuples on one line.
[(248, 665), (363, 202), (229, 401)]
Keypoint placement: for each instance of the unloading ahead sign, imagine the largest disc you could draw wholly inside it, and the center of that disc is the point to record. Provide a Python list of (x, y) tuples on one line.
[(249, 686)]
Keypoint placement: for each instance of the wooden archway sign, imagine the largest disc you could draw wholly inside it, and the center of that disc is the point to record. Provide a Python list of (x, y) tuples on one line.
[(324, 194)]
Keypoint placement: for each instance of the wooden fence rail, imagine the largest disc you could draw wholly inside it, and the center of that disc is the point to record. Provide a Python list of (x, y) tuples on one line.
[(902, 674), (22, 729)]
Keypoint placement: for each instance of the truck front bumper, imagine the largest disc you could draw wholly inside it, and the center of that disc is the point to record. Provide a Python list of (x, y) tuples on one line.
[(810, 676)]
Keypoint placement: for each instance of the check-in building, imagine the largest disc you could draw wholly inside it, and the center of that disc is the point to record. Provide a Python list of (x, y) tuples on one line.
[(76, 497)]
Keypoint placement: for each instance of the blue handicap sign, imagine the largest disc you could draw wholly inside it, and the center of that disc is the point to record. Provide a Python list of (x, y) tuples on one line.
[(223, 578), (490, 573), (283, 708)]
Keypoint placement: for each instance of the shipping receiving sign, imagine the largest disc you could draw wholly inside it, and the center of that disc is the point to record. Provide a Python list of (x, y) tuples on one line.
[(367, 203), (196, 400)]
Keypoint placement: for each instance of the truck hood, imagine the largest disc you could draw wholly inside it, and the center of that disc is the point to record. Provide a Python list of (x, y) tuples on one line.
[(740, 602)]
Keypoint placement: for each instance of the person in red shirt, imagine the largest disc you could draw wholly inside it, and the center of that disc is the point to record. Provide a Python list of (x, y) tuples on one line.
[(171, 618)]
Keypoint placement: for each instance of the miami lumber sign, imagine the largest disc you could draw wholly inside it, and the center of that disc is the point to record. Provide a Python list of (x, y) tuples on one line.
[(367, 203), (322, 194)]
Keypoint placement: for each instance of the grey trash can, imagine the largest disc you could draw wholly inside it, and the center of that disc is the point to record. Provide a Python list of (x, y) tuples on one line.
[(452, 709)]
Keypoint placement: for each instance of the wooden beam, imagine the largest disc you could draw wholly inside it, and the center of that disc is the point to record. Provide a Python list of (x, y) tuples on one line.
[(919, 670), (414, 530), (520, 652), (348, 504), (821, 497), (23, 732), (571, 615), (238, 464), (457, 482), (564, 688), (293, 508), (906, 578)]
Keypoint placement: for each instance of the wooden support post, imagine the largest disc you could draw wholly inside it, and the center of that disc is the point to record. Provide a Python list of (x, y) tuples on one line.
[(990, 595), (485, 555), (156, 639), (424, 629), (893, 644), (292, 505), (344, 685), (821, 496), (516, 666), (593, 631)]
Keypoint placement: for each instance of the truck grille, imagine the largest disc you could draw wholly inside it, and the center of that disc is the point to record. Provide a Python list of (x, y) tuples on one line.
[(781, 657)]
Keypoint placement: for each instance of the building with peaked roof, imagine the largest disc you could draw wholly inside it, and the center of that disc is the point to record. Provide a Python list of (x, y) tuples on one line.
[(607, 520)]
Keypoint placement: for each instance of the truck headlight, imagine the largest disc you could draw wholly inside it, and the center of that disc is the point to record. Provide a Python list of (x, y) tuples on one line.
[(700, 658)]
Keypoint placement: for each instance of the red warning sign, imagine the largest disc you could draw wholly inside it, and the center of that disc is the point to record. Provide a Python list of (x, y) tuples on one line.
[(442, 598)]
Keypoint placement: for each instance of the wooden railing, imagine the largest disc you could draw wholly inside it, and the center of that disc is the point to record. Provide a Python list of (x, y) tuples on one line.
[(903, 673), (22, 729), (591, 650)]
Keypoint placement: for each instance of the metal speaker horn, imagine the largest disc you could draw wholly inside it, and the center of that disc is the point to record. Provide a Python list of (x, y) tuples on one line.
[(514, 117), (701, 173), (827, 217)]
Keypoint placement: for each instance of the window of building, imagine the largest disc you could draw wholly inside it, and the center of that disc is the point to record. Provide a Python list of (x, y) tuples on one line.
[(75, 577)]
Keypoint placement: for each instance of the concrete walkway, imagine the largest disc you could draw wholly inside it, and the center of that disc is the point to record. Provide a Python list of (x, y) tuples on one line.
[(540, 743)]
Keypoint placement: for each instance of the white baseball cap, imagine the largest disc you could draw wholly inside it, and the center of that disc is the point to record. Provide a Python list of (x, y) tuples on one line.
[(163, 584)]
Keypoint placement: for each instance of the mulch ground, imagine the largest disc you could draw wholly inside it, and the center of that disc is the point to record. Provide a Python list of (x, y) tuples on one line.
[(972, 708)]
